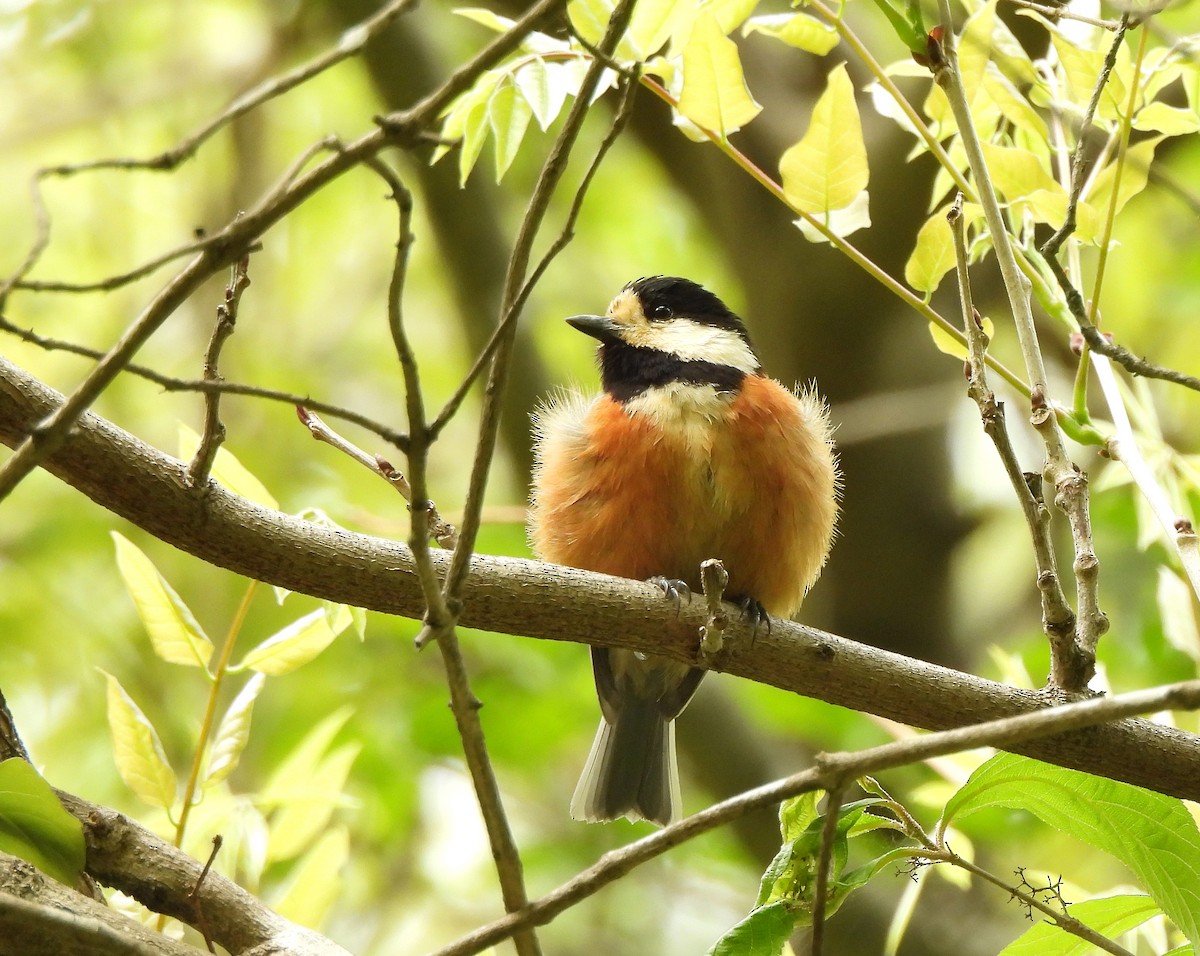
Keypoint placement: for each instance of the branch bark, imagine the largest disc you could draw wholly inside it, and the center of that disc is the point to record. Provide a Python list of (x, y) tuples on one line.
[(514, 596)]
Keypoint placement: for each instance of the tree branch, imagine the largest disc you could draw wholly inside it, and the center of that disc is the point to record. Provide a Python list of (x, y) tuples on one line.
[(514, 596)]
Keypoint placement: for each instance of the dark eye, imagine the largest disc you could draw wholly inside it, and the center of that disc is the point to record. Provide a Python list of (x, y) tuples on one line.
[(661, 312)]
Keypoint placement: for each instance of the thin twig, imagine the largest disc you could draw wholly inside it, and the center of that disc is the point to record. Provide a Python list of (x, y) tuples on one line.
[(1003, 733), (214, 430), (403, 129), (1070, 484), (441, 529), (1059, 917), (1054, 14), (833, 806), (352, 42), (1097, 341), (194, 896), (172, 384), (1067, 668), (440, 614)]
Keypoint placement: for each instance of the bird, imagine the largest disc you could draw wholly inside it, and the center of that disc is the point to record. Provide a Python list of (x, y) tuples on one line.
[(689, 451)]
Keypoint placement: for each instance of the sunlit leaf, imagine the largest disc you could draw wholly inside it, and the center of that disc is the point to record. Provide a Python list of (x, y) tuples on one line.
[(534, 84), (315, 884), (827, 169), (1152, 834), (1134, 176), (947, 343), (508, 114), (293, 646), (841, 222), (933, 256), (35, 827), (307, 808), (1177, 610), (227, 471), (137, 749), (800, 30), (714, 94), (1171, 120), (174, 632), (233, 732), (1109, 916)]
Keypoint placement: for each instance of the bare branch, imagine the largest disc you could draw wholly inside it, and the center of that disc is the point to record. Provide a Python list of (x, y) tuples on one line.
[(514, 596), (236, 239), (1007, 734), (1067, 667), (833, 806), (214, 431)]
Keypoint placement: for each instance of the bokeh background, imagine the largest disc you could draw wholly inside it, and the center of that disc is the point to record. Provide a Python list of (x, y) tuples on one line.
[(931, 560)]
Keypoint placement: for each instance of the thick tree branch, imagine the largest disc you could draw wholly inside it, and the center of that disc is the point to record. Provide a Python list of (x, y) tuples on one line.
[(509, 595)]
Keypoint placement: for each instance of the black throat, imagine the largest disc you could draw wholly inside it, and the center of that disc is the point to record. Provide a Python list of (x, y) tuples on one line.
[(627, 371)]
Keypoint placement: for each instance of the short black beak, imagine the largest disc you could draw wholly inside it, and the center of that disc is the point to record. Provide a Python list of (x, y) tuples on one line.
[(597, 326)]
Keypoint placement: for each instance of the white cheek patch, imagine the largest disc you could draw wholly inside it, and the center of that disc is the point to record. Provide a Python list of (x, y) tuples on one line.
[(695, 341)]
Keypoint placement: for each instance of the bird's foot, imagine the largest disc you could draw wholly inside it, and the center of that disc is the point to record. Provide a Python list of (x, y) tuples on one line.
[(674, 589), (754, 614)]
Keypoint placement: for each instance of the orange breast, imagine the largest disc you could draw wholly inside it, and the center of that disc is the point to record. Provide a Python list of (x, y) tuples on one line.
[(638, 495)]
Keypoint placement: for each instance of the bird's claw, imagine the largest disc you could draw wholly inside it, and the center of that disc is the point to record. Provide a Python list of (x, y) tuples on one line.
[(673, 588), (754, 614)]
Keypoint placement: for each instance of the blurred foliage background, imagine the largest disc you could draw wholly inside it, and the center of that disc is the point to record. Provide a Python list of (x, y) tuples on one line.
[(932, 559)]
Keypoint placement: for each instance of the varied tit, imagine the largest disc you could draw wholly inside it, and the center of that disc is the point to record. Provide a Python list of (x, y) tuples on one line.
[(690, 453)]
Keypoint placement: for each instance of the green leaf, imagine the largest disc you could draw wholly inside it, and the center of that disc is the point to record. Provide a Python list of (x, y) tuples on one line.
[(947, 343), (137, 749), (315, 883), (1109, 916), (174, 632), (1171, 120), (826, 171), (1153, 835), (233, 732), (714, 94), (1134, 177), (306, 810), (35, 827), (295, 645), (762, 933), (910, 34), (800, 30), (932, 256), (228, 471), (508, 115)]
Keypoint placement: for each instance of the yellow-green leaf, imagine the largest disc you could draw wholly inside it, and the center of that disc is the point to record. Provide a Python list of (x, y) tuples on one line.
[(714, 94), (508, 115), (800, 30), (233, 732), (1172, 120), (35, 827), (315, 883), (137, 749), (1133, 178), (1017, 172), (307, 809), (947, 343), (932, 257), (840, 222), (174, 632), (228, 471), (827, 168), (292, 647)]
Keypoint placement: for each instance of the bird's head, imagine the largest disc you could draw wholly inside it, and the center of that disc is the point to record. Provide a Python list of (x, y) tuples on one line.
[(663, 330)]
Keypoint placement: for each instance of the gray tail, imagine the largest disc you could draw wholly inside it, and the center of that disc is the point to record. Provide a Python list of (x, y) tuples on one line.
[(631, 771)]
